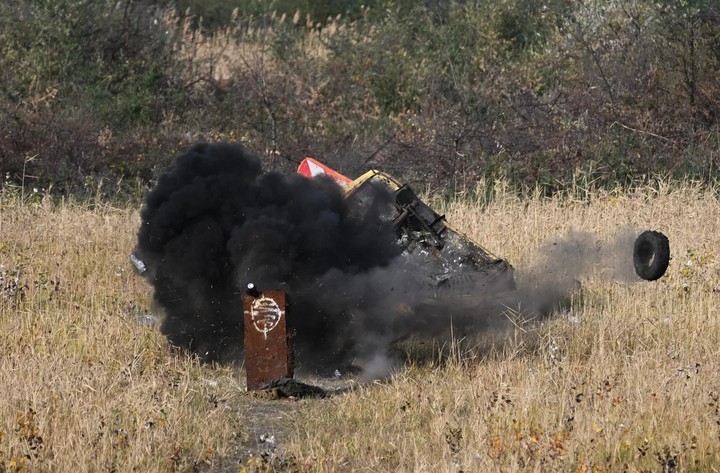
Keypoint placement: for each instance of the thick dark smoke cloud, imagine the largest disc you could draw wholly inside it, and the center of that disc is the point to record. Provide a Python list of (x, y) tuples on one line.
[(217, 222)]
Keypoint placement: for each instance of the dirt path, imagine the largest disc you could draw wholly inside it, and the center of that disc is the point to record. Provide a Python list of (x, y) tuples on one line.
[(268, 427)]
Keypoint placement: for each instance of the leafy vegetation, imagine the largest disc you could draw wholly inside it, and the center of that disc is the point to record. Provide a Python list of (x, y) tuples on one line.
[(440, 92)]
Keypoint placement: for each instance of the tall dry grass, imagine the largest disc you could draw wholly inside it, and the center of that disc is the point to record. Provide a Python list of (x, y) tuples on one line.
[(82, 386), (631, 384), (635, 384), (236, 50)]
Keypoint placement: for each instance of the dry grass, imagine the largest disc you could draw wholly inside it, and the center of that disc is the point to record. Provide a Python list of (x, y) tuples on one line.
[(84, 388), (612, 392), (235, 50)]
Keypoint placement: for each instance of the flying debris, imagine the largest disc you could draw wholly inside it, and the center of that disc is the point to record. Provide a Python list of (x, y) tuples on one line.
[(139, 265)]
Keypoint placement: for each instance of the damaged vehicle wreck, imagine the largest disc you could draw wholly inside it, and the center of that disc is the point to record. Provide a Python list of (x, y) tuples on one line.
[(448, 258)]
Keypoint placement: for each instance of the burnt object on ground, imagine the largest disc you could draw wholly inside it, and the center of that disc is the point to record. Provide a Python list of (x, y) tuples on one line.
[(292, 388), (651, 255)]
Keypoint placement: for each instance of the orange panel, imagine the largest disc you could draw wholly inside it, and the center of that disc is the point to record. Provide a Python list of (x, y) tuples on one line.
[(311, 168)]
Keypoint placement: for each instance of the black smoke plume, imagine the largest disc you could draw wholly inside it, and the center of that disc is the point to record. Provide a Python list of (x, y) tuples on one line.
[(217, 222)]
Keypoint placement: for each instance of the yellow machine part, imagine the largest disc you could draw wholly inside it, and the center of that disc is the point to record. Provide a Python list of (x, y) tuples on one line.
[(389, 181)]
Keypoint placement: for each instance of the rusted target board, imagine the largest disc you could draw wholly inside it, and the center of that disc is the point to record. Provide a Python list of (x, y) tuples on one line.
[(268, 350)]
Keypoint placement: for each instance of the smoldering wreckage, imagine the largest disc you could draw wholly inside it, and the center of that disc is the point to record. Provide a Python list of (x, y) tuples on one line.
[(317, 273)]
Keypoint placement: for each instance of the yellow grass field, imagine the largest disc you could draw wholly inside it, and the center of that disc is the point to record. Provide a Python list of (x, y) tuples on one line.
[(632, 384)]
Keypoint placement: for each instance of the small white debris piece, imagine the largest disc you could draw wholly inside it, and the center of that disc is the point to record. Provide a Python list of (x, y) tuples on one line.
[(146, 320), (268, 439), (337, 373), (572, 319), (212, 383), (139, 265)]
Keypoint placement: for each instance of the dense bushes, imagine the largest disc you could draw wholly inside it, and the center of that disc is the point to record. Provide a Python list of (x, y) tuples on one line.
[(437, 91)]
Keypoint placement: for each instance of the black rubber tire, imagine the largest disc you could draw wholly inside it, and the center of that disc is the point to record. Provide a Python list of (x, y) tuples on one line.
[(651, 255)]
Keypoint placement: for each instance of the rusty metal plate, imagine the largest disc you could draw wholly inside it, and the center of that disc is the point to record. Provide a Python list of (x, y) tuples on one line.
[(268, 351)]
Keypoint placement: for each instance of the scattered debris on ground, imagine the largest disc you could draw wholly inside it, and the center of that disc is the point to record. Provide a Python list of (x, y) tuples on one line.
[(140, 316), (138, 263), (288, 388)]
